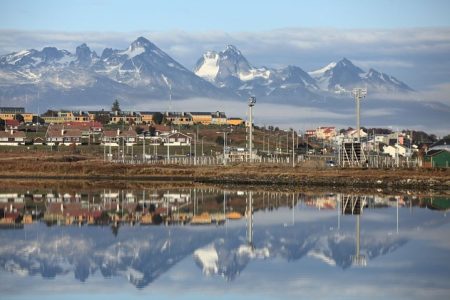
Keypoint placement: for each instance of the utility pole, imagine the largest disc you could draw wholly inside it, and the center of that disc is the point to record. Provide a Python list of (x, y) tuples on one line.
[(293, 153), (195, 147), (143, 147), (203, 153), (224, 145), (251, 103)]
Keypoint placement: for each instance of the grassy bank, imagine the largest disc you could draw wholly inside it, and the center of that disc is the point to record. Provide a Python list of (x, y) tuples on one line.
[(58, 166)]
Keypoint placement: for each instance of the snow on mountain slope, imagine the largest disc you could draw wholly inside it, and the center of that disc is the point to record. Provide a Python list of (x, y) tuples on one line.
[(209, 67), (140, 69), (231, 70), (342, 76)]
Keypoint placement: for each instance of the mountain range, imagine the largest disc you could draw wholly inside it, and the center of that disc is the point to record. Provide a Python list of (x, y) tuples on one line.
[(229, 69), (144, 69), (142, 75)]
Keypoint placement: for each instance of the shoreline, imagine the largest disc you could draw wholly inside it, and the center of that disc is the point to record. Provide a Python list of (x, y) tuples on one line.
[(59, 168)]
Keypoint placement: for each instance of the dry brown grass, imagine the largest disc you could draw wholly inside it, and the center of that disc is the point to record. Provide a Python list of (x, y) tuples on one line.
[(57, 165)]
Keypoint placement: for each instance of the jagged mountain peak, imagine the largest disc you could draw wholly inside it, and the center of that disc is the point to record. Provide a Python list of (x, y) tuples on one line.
[(232, 49), (342, 76), (142, 42), (345, 63), (84, 55), (226, 65), (52, 53)]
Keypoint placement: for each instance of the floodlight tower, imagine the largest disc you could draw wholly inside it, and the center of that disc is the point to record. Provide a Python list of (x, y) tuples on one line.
[(251, 103), (358, 94)]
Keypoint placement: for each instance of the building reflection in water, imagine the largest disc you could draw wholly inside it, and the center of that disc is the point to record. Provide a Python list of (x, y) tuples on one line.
[(145, 253)]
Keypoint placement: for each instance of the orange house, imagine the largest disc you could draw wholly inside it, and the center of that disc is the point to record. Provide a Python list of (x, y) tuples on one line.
[(204, 118)]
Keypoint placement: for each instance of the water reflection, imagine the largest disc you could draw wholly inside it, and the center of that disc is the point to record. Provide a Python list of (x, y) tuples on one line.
[(111, 232)]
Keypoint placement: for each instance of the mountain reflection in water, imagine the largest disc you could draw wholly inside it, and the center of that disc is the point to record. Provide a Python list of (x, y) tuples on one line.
[(336, 230)]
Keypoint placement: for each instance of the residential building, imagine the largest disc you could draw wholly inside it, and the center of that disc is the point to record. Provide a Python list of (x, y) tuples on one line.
[(126, 118), (27, 117), (58, 135), (114, 138), (204, 118), (12, 110), (349, 136), (310, 133), (12, 138), (58, 118), (443, 144), (88, 126), (235, 121), (80, 116), (218, 118), (90, 130), (97, 115), (147, 116), (161, 129), (177, 139), (179, 118), (7, 116), (393, 150), (12, 124), (326, 133)]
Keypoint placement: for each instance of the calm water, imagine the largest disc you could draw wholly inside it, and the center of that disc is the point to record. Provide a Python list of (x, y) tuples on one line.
[(293, 246)]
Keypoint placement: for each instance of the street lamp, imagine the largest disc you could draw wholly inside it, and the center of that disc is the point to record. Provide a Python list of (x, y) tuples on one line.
[(203, 153), (195, 148), (224, 145), (251, 103)]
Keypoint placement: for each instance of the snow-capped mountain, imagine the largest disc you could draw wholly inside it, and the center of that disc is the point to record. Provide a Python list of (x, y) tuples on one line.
[(142, 71), (229, 69), (143, 74), (342, 76)]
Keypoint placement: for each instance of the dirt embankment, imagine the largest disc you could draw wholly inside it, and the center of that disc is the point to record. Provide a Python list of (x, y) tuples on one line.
[(58, 166)]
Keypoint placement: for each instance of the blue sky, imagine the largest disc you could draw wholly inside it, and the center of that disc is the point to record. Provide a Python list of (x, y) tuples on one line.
[(409, 40), (229, 16)]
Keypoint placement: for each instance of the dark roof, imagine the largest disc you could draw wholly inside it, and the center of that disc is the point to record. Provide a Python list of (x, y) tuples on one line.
[(178, 134), (434, 152), (148, 112), (442, 142), (200, 113), (12, 110)]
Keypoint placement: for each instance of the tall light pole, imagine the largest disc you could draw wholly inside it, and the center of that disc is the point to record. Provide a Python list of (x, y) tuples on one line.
[(251, 103), (358, 94)]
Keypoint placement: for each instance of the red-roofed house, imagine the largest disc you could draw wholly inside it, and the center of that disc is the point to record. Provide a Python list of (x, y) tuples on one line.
[(12, 124), (326, 133)]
